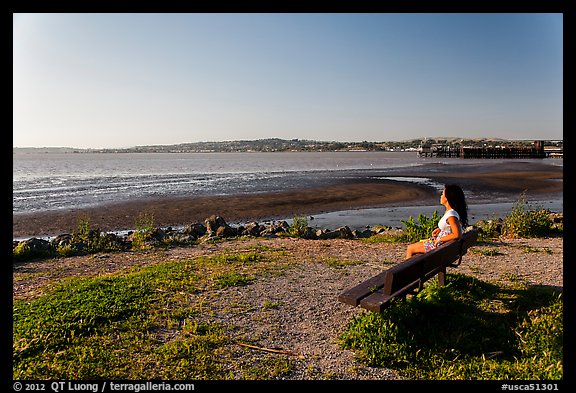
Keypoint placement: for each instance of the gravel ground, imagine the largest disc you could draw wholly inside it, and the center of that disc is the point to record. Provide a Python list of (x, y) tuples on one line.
[(307, 317)]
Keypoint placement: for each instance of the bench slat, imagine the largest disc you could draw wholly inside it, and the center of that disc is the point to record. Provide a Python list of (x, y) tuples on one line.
[(379, 300), (376, 301), (404, 273), (353, 295)]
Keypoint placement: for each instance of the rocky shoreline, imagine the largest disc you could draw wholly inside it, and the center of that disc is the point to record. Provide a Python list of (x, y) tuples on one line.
[(213, 228)]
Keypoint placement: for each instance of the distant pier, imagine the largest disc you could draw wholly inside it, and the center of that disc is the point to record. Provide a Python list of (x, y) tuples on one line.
[(444, 151)]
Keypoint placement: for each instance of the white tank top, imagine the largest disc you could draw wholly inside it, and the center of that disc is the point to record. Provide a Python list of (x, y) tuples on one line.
[(443, 224)]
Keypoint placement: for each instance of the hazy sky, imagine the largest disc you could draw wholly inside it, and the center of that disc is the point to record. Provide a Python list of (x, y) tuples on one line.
[(121, 80)]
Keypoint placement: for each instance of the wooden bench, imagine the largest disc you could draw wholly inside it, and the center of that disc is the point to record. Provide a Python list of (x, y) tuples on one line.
[(404, 278)]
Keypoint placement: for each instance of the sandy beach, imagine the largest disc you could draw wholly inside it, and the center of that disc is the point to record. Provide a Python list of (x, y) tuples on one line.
[(482, 184)]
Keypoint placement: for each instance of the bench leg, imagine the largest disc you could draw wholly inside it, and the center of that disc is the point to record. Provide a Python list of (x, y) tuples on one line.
[(442, 277)]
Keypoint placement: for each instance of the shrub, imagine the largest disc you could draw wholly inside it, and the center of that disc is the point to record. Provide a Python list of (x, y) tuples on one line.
[(144, 231), (490, 229), (423, 229), (525, 222), (299, 227), (32, 249), (21, 251), (90, 238), (540, 339), (66, 250)]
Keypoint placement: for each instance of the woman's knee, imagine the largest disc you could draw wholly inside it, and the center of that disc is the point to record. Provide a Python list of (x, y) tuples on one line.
[(415, 248)]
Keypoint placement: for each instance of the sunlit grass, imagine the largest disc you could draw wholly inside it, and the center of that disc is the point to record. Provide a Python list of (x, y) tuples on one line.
[(468, 329), (147, 323)]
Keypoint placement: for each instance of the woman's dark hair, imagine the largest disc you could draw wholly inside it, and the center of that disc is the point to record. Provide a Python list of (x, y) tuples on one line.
[(456, 199)]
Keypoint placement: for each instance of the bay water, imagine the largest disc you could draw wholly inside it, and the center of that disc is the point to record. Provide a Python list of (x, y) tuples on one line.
[(50, 181)]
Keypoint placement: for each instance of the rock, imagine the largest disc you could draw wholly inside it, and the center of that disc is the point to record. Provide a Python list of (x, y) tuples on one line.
[(344, 232), (366, 233), (325, 234), (213, 223), (226, 231), (182, 238), (197, 230), (113, 241), (62, 240), (252, 229), (377, 229), (37, 245)]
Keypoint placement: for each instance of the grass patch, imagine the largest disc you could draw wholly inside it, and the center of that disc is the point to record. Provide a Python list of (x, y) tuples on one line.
[(337, 263), (467, 330), (268, 305), (529, 249), (146, 323), (489, 252)]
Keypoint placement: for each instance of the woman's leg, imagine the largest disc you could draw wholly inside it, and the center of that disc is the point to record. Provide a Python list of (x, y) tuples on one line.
[(415, 248)]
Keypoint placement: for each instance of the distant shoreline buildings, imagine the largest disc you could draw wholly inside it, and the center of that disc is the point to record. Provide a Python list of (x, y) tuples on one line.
[(538, 149), (427, 147)]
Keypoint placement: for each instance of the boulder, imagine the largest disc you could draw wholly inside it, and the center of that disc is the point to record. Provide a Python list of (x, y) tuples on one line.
[(252, 229), (197, 230), (216, 226), (37, 245), (62, 240)]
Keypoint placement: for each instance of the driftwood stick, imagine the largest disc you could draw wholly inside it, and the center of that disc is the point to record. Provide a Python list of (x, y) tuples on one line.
[(273, 350)]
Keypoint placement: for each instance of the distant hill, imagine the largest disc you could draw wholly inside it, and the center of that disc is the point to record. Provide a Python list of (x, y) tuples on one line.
[(285, 145), (16, 150)]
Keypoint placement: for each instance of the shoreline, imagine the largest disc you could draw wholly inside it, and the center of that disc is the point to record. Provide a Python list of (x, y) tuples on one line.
[(393, 216), (487, 184), (181, 211)]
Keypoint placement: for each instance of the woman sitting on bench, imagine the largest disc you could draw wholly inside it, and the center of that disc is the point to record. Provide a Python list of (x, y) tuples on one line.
[(451, 224)]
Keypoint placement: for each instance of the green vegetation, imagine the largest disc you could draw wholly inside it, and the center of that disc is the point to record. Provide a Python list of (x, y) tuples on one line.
[(526, 221), (523, 222), (384, 238), (490, 229), (337, 263), (90, 240), (529, 249), (23, 252), (468, 329), (291, 145), (299, 227), (423, 229), (143, 235), (414, 231), (157, 322), (147, 323)]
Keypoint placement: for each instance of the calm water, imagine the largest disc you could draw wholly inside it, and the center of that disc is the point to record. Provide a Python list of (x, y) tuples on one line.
[(47, 181)]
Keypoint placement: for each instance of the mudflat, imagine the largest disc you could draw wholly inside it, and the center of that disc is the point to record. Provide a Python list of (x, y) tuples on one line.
[(481, 182)]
